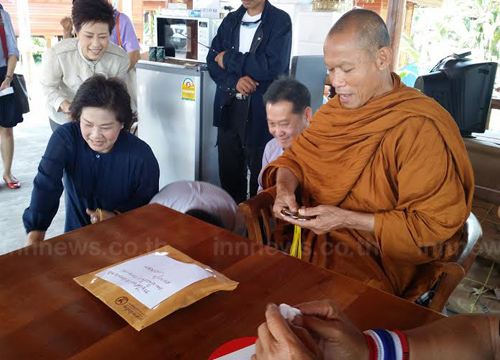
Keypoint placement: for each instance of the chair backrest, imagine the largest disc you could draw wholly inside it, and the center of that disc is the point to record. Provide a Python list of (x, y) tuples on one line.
[(262, 226), (455, 270)]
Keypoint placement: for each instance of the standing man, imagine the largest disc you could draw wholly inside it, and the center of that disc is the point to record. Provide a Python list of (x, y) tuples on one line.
[(251, 49)]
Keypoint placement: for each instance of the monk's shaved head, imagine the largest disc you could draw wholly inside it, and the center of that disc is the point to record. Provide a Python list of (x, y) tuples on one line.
[(369, 27)]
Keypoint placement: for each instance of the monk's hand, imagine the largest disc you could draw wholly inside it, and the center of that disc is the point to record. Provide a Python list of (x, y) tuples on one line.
[(219, 59), (336, 336), (99, 215), (279, 340), (323, 218), (284, 199)]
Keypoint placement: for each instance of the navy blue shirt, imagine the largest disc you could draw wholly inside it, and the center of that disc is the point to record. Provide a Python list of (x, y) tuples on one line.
[(123, 179), (268, 59)]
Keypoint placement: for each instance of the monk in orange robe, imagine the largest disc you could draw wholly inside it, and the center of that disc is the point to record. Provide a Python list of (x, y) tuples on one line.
[(382, 169)]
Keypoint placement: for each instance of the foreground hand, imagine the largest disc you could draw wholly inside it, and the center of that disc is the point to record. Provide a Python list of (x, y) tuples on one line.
[(220, 59), (336, 336), (246, 85), (326, 218), (280, 341), (35, 237), (95, 217), (5, 84)]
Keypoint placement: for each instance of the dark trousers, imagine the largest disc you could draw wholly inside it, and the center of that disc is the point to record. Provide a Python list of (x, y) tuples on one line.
[(235, 158), (234, 162)]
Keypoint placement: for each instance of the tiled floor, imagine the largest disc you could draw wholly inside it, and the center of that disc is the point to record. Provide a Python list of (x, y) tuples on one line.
[(485, 272), (30, 139)]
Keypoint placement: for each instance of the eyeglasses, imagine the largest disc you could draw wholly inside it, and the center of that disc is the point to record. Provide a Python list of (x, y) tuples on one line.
[(251, 24)]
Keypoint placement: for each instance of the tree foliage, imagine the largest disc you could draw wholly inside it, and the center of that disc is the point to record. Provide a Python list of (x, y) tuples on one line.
[(460, 25)]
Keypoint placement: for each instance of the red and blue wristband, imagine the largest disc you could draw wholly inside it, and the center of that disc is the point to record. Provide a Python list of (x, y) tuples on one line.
[(387, 345)]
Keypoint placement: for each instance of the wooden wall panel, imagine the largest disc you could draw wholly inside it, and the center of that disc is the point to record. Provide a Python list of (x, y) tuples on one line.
[(395, 24), (46, 14), (137, 19), (45, 17)]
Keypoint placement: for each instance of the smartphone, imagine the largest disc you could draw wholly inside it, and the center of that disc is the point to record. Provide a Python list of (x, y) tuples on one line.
[(287, 212)]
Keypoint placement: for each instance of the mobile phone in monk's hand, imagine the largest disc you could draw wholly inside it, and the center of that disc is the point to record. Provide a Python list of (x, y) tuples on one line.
[(295, 215)]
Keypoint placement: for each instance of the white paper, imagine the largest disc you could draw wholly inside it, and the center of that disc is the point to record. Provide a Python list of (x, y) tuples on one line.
[(153, 278), (289, 312), (7, 91), (242, 354)]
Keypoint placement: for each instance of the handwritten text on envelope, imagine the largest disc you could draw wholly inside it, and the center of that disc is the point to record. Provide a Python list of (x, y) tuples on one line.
[(153, 278)]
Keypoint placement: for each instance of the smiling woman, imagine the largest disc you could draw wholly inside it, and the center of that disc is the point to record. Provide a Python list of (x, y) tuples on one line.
[(105, 169), (69, 63)]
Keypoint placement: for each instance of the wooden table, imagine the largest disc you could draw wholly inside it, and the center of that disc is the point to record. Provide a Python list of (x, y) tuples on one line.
[(44, 314)]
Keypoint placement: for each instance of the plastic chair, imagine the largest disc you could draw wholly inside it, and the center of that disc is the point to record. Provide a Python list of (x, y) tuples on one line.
[(455, 270)]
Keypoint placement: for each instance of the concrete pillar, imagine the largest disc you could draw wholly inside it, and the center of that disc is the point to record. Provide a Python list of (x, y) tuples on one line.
[(24, 40), (127, 8)]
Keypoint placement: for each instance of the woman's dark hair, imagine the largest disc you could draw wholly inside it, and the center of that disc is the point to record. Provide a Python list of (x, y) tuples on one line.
[(205, 216), (92, 11), (110, 94)]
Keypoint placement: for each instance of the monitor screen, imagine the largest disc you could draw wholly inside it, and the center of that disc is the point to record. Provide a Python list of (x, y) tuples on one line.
[(463, 87)]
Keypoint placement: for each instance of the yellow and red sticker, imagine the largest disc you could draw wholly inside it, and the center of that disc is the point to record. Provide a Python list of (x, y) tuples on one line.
[(188, 90)]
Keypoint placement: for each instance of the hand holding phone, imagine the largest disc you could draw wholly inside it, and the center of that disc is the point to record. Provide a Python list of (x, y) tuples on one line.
[(296, 216)]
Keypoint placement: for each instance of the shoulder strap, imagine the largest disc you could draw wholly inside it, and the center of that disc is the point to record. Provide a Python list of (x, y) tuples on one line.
[(118, 29), (3, 38)]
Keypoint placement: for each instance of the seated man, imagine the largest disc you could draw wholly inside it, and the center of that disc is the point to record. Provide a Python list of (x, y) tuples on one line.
[(288, 109), (382, 169), (204, 201)]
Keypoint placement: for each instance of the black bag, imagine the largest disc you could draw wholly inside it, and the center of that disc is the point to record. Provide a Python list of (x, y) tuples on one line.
[(18, 83), (21, 93)]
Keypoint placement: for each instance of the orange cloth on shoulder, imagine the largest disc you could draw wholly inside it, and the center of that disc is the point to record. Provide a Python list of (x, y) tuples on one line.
[(400, 157)]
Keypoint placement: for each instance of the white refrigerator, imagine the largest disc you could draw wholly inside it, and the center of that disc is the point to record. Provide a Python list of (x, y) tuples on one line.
[(175, 108)]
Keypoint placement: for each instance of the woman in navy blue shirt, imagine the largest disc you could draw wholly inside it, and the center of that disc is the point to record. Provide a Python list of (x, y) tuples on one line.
[(105, 169)]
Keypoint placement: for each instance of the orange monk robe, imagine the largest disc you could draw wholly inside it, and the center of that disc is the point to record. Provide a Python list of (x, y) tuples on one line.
[(400, 157)]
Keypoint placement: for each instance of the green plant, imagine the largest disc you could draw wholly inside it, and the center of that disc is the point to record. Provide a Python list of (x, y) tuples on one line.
[(458, 26), (39, 46), (149, 27)]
